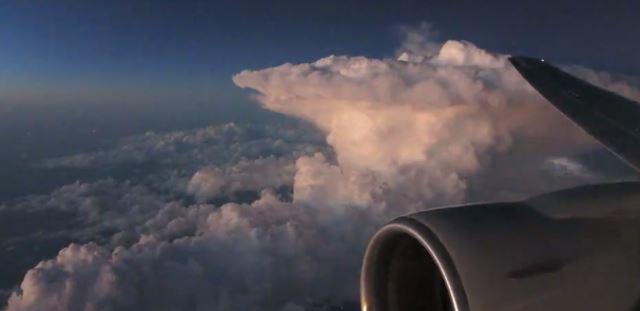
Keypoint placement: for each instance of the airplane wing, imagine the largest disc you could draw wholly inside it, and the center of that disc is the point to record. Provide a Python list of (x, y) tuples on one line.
[(610, 118)]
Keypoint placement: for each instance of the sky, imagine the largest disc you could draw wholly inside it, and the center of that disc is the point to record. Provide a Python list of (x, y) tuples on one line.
[(106, 51), (216, 155)]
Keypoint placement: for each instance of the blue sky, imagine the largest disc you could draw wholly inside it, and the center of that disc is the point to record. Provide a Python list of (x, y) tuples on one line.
[(181, 49)]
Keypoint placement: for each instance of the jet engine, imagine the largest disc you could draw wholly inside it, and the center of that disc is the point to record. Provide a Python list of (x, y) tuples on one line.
[(576, 249)]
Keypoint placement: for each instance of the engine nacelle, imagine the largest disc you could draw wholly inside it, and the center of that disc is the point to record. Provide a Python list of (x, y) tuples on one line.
[(576, 249)]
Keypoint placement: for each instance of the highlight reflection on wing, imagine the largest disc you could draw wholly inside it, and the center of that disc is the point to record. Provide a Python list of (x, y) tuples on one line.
[(608, 117)]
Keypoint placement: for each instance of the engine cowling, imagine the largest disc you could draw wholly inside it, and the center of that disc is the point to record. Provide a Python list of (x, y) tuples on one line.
[(576, 249)]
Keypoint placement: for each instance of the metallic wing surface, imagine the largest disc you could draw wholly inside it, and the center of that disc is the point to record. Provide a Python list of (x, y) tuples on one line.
[(608, 117)]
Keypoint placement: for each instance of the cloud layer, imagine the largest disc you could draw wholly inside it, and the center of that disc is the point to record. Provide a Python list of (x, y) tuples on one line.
[(443, 123)]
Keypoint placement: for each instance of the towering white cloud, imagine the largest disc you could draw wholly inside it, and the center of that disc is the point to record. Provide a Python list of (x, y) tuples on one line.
[(418, 128)]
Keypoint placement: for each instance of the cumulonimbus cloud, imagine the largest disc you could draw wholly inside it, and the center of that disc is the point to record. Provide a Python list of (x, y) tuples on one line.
[(439, 124), (420, 126)]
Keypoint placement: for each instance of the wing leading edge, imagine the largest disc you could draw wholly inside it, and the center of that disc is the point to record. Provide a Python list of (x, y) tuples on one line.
[(608, 117)]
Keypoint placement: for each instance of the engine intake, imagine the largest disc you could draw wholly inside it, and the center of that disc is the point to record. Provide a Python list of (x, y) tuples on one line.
[(407, 268)]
